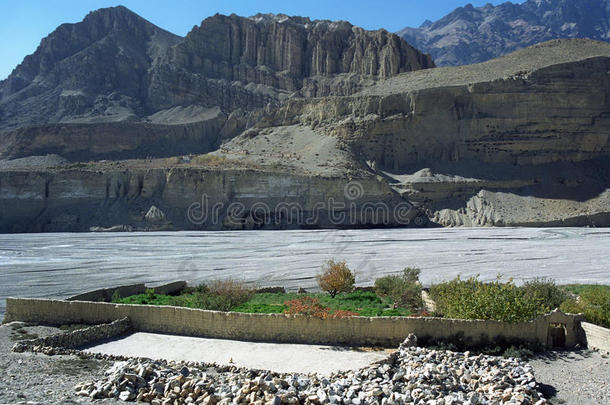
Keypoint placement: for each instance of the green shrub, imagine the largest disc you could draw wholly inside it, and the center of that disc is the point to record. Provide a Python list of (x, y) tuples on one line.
[(116, 296), (335, 278), (545, 290), (221, 295), (593, 303), (404, 289), (496, 300)]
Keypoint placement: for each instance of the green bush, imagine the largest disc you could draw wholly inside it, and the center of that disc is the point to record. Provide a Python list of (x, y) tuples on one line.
[(220, 295), (404, 290), (546, 290), (593, 303), (116, 296), (496, 300)]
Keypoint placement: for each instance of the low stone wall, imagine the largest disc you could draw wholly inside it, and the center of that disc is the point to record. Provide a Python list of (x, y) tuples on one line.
[(105, 294), (78, 338), (361, 331), (597, 337), (170, 288)]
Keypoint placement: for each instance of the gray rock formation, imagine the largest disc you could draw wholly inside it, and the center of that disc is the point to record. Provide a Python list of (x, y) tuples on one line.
[(539, 105), (103, 84), (498, 143), (229, 117), (276, 52), (95, 68), (154, 214), (191, 198), (476, 34)]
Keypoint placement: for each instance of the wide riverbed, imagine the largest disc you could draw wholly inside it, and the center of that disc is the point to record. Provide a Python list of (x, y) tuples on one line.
[(63, 264)]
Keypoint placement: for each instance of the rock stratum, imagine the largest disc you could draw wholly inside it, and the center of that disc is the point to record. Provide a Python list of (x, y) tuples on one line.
[(477, 34), (275, 122)]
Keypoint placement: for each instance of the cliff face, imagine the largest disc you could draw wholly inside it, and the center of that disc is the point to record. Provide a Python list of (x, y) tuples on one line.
[(115, 67), (521, 140), (190, 198), (276, 52), (540, 115), (292, 113), (280, 51), (476, 34), (113, 140)]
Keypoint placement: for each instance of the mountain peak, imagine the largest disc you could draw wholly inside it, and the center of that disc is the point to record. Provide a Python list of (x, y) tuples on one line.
[(475, 34)]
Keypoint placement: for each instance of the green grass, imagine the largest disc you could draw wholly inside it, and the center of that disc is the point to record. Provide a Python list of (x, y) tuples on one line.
[(363, 303), (145, 299), (593, 302), (578, 289)]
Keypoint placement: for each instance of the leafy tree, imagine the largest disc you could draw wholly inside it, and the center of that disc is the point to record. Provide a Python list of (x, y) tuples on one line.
[(336, 277)]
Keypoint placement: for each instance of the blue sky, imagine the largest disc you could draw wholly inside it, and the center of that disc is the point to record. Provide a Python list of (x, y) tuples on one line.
[(24, 23)]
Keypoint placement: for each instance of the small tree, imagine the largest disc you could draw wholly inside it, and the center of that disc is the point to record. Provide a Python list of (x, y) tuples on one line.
[(404, 289), (336, 277)]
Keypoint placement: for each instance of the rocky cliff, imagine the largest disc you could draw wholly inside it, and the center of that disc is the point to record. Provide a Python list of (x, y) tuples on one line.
[(547, 103), (281, 122), (476, 34), (97, 68), (95, 198), (533, 126), (279, 52), (115, 67)]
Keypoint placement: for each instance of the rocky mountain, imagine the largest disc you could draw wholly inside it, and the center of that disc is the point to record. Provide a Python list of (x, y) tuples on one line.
[(95, 70), (476, 34), (114, 76), (273, 56), (275, 122)]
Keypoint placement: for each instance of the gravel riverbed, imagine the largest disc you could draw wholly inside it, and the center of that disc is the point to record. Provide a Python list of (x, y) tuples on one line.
[(413, 375)]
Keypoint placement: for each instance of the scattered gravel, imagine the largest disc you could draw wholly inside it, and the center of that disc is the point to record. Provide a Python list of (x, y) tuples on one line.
[(574, 377), (29, 378)]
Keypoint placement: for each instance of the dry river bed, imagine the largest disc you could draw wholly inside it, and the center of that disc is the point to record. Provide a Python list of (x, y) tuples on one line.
[(571, 377)]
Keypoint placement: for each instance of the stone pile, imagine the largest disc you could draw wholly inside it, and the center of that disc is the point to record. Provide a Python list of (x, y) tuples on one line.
[(413, 375)]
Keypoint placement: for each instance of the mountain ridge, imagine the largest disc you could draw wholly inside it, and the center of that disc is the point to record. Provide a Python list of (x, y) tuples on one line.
[(475, 34), (115, 66), (273, 110)]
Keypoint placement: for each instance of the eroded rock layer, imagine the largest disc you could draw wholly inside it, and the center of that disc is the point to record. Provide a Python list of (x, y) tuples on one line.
[(278, 118), (114, 66)]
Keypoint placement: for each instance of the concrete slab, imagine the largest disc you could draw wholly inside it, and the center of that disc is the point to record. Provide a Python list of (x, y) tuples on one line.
[(279, 357)]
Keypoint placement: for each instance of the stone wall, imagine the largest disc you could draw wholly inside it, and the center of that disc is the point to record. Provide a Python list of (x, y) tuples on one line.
[(105, 294), (597, 337), (360, 331), (78, 338)]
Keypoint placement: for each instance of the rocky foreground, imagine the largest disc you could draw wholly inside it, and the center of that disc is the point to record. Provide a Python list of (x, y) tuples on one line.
[(28, 378), (412, 375)]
